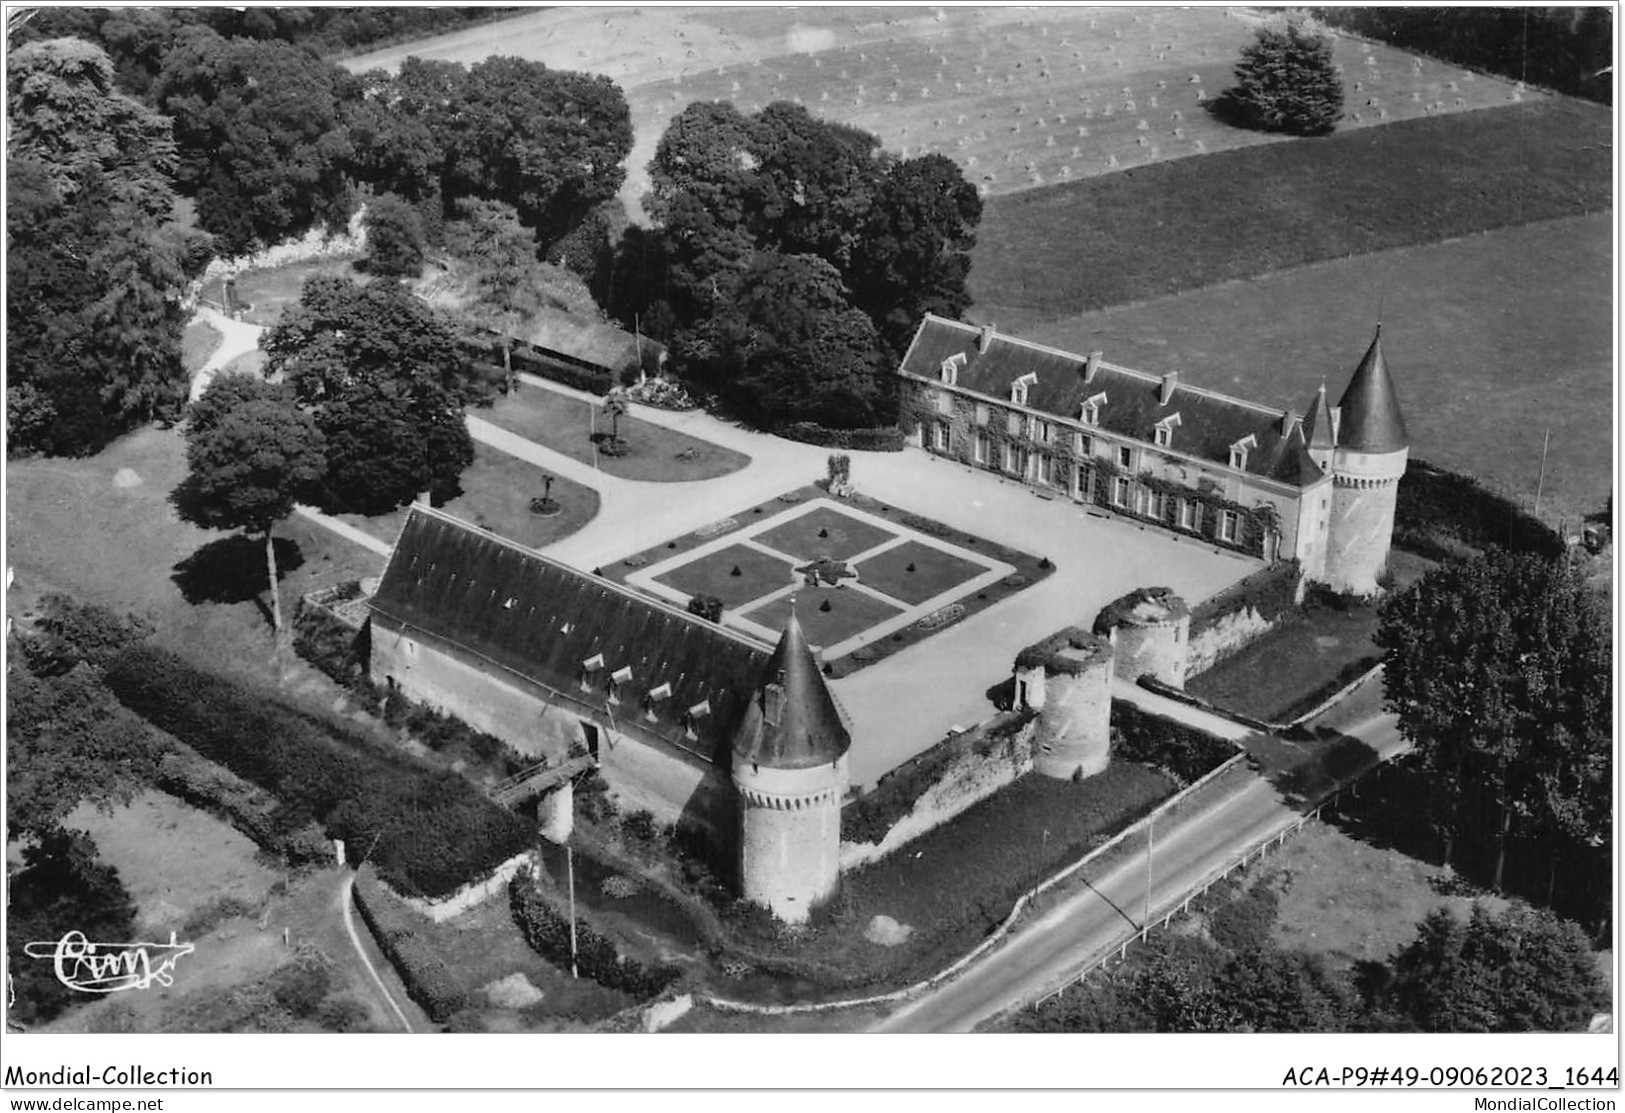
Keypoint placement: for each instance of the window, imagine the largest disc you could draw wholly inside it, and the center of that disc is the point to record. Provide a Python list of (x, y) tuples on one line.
[(1043, 431), (1164, 435), (1015, 424), (981, 413), (1190, 514), (939, 436), (1229, 523), (1083, 483), (1018, 389), (1046, 469), (1090, 414), (945, 403), (981, 447), (950, 368), (1083, 444), (1157, 506), (1120, 487), (1239, 450), (1015, 459), (1125, 457)]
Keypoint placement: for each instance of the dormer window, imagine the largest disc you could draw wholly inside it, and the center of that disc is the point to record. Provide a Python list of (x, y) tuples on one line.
[(693, 716), (588, 667), (1163, 435), (1091, 408), (950, 369), (1239, 450), (1019, 388), (617, 680), (654, 698)]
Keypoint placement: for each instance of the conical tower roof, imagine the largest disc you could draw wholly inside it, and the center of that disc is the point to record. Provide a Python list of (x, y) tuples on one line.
[(1317, 427), (791, 721), (1370, 420)]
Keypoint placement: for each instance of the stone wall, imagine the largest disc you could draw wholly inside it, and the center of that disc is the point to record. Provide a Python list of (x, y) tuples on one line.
[(475, 892), (961, 771), (1224, 637), (790, 836)]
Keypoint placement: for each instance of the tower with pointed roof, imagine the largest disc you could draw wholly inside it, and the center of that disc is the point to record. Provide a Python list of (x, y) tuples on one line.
[(1369, 457), (790, 773)]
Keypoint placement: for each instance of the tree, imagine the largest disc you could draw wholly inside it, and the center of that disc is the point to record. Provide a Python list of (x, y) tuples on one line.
[(386, 380), (93, 341), (261, 131), (1286, 79), (63, 886), (251, 453), (394, 238), (1499, 669), (1521, 971), (508, 280)]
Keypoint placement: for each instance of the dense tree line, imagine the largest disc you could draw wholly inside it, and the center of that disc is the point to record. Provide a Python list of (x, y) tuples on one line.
[(95, 268), (1500, 670), (791, 259), (1567, 49), (1521, 970)]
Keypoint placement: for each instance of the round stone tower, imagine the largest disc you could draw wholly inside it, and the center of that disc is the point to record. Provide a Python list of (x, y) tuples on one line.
[(1150, 632), (1067, 679), (789, 769), (1372, 451)]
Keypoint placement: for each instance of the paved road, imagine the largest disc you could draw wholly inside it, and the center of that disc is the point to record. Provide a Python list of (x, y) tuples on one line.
[(1084, 927)]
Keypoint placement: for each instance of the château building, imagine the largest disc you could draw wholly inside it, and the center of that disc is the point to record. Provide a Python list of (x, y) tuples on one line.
[(1316, 487)]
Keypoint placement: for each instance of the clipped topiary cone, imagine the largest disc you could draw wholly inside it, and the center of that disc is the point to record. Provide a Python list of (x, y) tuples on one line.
[(824, 606), (911, 566), (736, 571)]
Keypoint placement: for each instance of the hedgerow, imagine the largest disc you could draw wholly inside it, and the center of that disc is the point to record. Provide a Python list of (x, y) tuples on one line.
[(429, 832), (1184, 752), (548, 932), (1437, 510), (427, 979), (887, 438)]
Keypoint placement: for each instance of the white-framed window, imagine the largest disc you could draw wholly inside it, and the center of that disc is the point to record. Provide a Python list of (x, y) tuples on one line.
[(1083, 483), (982, 413), (1120, 489), (1239, 450), (1190, 514), (1156, 505), (980, 447), (1083, 444), (1015, 459), (1164, 434), (1045, 468), (1090, 414), (950, 368), (1125, 457), (1043, 431), (1229, 525), (1018, 389), (940, 436)]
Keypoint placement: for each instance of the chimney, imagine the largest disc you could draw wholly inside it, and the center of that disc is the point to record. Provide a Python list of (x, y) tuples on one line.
[(1288, 420), (984, 338), (1169, 382), (773, 704), (1091, 366)]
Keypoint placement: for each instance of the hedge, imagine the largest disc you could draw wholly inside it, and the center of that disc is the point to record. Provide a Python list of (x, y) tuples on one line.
[(187, 774), (1271, 592), (548, 932), (394, 925), (562, 369), (883, 439), (1183, 751), (1437, 510), (336, 649), (429, 832)]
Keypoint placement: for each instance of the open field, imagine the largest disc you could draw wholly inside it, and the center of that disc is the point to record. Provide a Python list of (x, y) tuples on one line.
[(1240, 214), (497, 489), (567, 425), (1491, 340), (1017, 96)]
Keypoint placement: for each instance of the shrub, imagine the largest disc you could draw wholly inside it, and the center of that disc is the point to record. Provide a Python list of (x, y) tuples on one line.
[(548, 932), (300, 987), (212, 915), (343, 1014), (394, 925), (430, 832), (706, 606), (883, 439), (336, 649), (75, 632), (640, 825), (1183, 751)]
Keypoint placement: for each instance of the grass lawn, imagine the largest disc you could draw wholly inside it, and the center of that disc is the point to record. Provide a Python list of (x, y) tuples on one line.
[(1491, 340), (198, 343), (713, 574), (1194, 222), (824, 533), (497, 489), (1287, 671), (567, 425), (915, 572), (850, 612)]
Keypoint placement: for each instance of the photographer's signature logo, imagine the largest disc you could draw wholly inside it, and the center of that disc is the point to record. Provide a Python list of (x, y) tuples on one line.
[(110, 967)]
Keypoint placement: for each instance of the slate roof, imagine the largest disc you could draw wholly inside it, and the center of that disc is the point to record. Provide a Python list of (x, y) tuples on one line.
[(1370, 420), (518, 610), (1318, 425), (809, 731), (1209, 423)]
